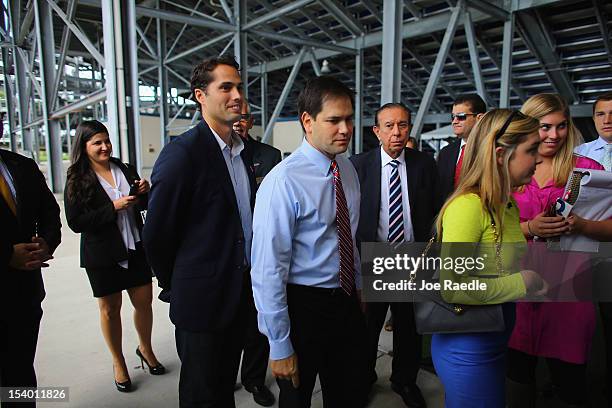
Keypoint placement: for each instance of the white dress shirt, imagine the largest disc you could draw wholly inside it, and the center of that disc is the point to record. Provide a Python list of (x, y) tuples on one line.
[(385, 177), (125, 218), (593, 150)]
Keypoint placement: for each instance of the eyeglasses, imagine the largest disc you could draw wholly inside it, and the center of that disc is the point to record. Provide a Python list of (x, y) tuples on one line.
[(502, 130), (461, 116)]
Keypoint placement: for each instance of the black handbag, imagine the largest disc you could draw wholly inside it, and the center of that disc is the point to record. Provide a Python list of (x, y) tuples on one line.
[(434, 315)]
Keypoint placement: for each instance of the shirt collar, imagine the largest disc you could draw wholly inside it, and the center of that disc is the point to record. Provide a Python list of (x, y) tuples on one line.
[(321, 161), (386, 159), (237, 143), (600, 143)]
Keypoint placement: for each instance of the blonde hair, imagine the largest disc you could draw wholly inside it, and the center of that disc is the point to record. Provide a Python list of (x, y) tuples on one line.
[(480, 173), (544, 104)]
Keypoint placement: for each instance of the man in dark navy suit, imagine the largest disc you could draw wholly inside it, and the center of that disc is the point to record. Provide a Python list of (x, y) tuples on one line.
[(467, 110), (198, 237), (399, 201), (31, 230), (256, 348)]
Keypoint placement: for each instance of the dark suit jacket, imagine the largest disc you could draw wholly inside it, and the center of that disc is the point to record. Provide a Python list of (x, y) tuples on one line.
[(422, 193), (265, 157), (447, 161), (37, 210), (101, 242), (193, 234)]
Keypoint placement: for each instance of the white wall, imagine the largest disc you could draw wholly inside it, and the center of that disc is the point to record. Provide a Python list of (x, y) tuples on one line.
[(287, 137)]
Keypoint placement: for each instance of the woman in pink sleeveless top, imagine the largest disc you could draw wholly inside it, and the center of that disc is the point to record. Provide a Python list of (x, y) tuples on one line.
[(559, 332)]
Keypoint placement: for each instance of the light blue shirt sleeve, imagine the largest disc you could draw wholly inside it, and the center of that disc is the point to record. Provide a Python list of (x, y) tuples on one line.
[(273, 227)]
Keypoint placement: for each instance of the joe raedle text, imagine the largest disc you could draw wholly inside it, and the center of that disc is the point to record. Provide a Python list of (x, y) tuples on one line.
[(407, 285)]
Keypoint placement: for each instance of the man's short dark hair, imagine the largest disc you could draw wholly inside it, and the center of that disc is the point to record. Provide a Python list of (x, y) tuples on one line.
[(389, 106), (603, 97), (317, 91), (474, 101), (202, 73)]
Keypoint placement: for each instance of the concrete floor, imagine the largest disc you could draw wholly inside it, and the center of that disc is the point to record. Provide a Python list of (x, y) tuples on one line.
[(72, 353)]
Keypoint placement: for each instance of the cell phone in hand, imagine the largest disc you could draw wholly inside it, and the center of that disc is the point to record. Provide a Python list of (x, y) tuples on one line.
[(134, 188)]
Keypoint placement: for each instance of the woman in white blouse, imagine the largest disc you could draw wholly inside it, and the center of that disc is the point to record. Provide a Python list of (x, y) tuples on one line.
[(105, 200)]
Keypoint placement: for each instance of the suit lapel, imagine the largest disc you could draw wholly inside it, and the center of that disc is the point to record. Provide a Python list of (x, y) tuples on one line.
[(17, 176), (372, 187)]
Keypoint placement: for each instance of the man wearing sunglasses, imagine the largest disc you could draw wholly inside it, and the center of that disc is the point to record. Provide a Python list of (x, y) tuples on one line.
[(256, 348), (467, 110)]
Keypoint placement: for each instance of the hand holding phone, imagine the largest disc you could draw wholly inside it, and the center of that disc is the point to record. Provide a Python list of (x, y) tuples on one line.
[(134, 188)]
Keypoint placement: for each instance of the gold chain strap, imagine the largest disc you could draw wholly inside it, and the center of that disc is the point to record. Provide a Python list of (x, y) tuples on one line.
[(498, 258)]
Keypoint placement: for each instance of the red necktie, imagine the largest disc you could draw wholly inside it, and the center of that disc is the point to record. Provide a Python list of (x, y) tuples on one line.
[(345, 237), (458, 167)]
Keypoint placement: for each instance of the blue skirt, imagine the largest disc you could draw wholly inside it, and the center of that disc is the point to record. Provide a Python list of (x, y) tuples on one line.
[(472, 366)]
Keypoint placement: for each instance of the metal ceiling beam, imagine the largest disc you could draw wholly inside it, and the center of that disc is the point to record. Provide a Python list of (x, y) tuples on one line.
[(424, 26), (146, 41), (80, 105), (436, 71), (284, 94), (304, 42), (413, 9), (77, 32), (183, 28), (372, 9), (346, 20), (315, 21), (183, 19), (25, 26), (291, 6), (490, 9), (199, 47), (603, 27), (315, 64), (419, 58), (537, 42)]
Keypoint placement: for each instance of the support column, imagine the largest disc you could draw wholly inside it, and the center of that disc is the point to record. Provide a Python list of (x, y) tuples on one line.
[(163, 79), (20, 80), (134, 105), (46, 58), (264, 97), (506, 64), (391, 75), (110, 65), (240, 42), (358, 130)]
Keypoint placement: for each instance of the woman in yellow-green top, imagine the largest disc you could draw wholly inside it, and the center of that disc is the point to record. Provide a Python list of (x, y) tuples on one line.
[(501, 155)]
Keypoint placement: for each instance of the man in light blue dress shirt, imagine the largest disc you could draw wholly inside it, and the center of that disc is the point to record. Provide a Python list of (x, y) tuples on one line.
[(600, 149), (314, 325)]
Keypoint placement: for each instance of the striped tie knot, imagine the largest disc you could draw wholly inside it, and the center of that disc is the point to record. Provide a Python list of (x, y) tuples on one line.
[(394, 164)]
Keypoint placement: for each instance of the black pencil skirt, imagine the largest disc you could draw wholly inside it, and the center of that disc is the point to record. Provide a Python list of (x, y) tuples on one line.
[(106, 281)]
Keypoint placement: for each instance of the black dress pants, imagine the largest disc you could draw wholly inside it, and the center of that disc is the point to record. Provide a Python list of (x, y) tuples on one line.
[(210, 361), (256, 354), (328, 335), (18, 348), (406, 341)]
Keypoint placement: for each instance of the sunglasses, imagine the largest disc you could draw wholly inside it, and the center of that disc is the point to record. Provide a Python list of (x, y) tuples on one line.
[(502, 130), (461, 116), (246, 116)]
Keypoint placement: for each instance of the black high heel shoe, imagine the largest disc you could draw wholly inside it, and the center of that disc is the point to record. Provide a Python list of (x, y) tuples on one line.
[(125, 386), (159, 369)]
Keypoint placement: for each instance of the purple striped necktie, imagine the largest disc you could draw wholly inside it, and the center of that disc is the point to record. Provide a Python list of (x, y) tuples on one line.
[(345, 237), (396, 212)]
